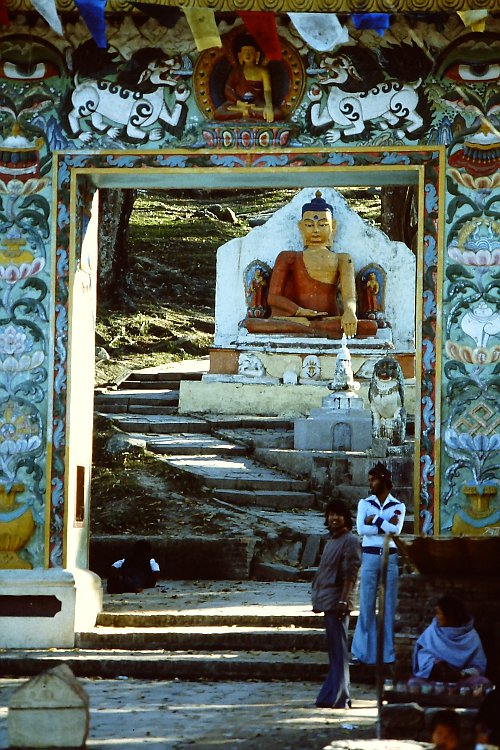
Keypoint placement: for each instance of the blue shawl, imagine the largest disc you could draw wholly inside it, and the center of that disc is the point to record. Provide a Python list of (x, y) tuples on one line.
[(459, 646)]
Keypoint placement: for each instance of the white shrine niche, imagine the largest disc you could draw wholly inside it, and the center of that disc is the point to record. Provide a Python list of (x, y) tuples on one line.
[(361, 240)]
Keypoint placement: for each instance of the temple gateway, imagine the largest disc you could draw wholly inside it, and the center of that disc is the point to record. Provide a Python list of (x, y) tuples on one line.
[(224, 99)]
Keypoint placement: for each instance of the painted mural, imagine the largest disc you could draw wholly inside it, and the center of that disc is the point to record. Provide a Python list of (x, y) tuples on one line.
[(421, 84)]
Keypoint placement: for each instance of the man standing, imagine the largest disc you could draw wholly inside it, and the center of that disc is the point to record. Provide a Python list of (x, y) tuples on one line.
[(331, 589), (379, 514)]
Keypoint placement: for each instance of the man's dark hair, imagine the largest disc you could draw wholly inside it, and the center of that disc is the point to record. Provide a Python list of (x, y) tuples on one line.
[(454, 610), (382, 472), (340, 507), (448, 719)]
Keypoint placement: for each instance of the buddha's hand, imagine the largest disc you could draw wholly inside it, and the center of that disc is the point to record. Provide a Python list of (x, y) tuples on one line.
[(304, 312), (349, 323)]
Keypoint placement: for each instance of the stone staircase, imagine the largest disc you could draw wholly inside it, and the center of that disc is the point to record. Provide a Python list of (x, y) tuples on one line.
[(246, 462), (191, 630), (144, 406)]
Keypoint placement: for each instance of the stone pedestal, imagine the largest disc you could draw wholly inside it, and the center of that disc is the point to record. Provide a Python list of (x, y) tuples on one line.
[(340, 424), (44, 608)]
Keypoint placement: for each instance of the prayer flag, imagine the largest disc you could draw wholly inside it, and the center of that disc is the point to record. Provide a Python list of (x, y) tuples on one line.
[(475, 19), (92, 12), (203, 27), (378, 22), (321, 31), (262, 27), (48, 10)]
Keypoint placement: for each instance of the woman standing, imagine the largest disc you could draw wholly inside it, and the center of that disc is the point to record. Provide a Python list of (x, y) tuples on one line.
[(331, 589)]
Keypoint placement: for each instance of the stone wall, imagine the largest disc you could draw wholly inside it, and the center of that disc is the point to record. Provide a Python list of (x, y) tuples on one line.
[(191, 558)]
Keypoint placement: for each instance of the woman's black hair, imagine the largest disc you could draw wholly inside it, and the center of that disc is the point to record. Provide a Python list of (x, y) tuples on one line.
[(139, 556), (340, 507), (454, 610)]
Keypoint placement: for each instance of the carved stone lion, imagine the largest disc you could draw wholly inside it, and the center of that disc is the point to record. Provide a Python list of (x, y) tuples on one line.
[(386, 396)]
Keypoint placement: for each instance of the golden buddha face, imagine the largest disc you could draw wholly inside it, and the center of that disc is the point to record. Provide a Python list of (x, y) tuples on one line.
[(248, 55), (317, 228)]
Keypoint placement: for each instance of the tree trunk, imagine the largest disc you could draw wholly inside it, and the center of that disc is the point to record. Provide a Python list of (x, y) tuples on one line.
[(115, 209), (399, 214)]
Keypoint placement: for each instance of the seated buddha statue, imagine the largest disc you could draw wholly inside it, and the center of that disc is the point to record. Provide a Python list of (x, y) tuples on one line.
[(304, 285)]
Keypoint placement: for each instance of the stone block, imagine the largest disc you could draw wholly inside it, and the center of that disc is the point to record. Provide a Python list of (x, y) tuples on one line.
[(50, 710), (311, 551), (334, 430)]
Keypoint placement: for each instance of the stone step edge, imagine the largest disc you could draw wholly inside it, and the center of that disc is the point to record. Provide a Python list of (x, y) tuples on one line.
[(200, 621), (164, 664)]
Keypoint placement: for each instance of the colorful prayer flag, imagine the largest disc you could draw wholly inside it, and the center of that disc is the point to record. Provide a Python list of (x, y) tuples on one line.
[(262, 27)]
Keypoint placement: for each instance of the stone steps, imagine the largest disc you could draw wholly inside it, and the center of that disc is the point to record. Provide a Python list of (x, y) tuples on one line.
[(146, 620), (237, 474), (164, 664), (133, 384), (185, 444), (160, 425), (267, 498), (136, 397), (206, 638), (162, 376), (135, 409)]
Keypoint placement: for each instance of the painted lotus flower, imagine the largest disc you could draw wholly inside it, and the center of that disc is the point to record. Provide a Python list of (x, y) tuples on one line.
[(21, 429), (477, 244), (18, 187), (15, 350), (13, 340), (11, 273), (467, 443), (24, 363), (484, 182)]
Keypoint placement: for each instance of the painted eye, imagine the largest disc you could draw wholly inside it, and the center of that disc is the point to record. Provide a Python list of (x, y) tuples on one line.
[(35, 72), (474, 73)]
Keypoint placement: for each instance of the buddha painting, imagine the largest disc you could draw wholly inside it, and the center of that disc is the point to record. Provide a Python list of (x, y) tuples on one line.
[(248, 89), (237, 82), (305, 286)]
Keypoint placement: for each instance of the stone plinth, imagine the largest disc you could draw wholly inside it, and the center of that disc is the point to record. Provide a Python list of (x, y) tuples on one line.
[(50, 710), (341, 424), (44, 608)]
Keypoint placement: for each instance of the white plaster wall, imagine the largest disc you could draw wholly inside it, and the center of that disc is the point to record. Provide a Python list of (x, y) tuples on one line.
[(365, 243), (81, 390)]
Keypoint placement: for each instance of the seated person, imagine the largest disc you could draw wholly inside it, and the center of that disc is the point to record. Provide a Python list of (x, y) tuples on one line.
[(445, 730), (304, 285), (136, 571), (450, 650), (248, 89)]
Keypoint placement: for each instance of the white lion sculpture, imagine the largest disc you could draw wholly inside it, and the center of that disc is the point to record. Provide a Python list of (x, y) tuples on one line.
[(386, 396)]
